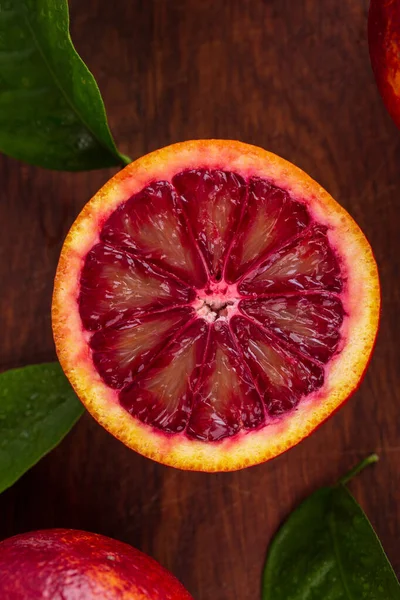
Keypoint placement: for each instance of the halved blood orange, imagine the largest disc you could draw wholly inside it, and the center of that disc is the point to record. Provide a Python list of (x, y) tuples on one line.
[(213, 305)]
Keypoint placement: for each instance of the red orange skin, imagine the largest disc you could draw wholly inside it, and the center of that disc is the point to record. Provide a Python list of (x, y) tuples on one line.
[(384, 48), (63, 564)]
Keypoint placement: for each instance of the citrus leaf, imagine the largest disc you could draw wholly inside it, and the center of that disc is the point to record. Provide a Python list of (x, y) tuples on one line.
[(37, 409), (328, 549), (51, 111)]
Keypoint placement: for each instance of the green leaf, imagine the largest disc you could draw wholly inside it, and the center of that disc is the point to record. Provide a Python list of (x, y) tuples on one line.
[(37, 409), (51, 111), (328, 550)]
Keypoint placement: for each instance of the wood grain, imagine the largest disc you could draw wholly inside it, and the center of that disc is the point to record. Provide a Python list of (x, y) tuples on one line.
[(295, 78)]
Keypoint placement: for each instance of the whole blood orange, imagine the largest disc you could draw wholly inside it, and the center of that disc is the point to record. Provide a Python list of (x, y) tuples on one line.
[(63, 564), (384, 49), (213, 305)]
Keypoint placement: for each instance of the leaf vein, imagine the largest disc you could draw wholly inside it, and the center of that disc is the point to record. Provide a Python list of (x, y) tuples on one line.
[(61, 88), (336, 552)]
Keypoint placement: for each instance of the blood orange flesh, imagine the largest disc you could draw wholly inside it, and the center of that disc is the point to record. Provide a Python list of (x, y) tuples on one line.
[(213, 305)]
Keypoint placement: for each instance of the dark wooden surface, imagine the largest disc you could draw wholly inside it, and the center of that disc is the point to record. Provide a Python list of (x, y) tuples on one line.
[(293, 77)]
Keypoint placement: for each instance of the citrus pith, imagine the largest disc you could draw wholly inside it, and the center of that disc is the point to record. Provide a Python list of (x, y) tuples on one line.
[(213, 305)]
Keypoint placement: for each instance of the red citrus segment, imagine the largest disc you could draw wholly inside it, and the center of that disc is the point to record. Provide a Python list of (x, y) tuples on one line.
[(271, 217), (115, 285), (162, 396), (307, 263), (150, 225), (122, 351), (281, 376), (309, 323), (213, 202), (226, 400)]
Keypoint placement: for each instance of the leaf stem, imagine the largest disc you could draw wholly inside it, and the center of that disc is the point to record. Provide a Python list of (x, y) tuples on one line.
[(370, 460), (125, 160)]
